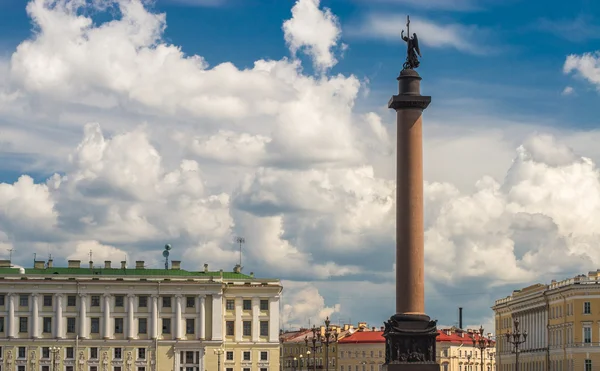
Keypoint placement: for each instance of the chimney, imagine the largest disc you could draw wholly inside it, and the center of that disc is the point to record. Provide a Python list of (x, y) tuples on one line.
[(38, 264), (373, 329), (50, 261), (123, 264), (205, 268), (74, 263), (106, 264), (139, 264), (176, 264), (381, 328)]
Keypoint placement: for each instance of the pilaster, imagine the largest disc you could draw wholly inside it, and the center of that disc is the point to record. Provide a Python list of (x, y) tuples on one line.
[(217, 316), (35, 316), (59, 328), (107, 333)]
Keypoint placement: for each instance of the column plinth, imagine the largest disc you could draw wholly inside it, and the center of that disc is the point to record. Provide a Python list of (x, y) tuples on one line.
[(410, 334)]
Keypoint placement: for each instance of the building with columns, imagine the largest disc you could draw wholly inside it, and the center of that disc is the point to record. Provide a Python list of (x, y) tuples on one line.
[(136, 319), (562, 320)]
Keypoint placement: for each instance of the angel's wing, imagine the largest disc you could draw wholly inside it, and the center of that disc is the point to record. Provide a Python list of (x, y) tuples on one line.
[(416, 44)]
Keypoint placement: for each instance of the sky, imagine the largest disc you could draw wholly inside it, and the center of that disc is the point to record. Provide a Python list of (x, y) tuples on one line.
[(126, 125)]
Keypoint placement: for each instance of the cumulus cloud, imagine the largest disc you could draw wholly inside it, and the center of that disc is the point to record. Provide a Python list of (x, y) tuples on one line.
[(154, 146), (586, 66), (568, 90), (313, 30)]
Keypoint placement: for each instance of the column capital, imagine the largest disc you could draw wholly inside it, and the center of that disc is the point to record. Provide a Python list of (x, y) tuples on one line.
[(201, 296), (35, 294), (59, 295), (83, 295), (107, 295), (217, 295), (154, 296), (131, 296), (178, 296)]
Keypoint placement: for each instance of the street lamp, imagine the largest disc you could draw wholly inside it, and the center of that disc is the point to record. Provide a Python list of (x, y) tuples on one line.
[(516, 338), (330, 336), (300, 362), (469, 362), (55, 353), (313, 347), (480, 343), (294, 363), (219, 352)]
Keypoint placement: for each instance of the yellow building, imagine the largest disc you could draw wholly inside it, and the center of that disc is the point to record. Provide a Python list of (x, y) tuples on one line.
[(123, 319), (298, 352), (562, 322), (364, 350)]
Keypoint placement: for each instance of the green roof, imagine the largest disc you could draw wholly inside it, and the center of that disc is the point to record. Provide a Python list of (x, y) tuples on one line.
[(125, 272)]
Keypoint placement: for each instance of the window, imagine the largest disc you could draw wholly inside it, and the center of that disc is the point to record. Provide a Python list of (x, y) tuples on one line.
[(141, 368), (247, 304), (190, 302), (22, 352), (588, 365), (23, 300), (247, 328), (47, 325), (23, 324), (263, 369), (587, 334), (246, 356), (189, 326), (119, 300), (264, 328), (20, 368), (166, 322), (45, 352), (587, 307), (229, 328), (118, 325), (69, 368), (1, 299), (70, 325), (95, 301), (264, 305), (71, 301), (189, 357), (45, 368), (246, 368), (93, 368), (47, 300), (142, 325), (229, 369), (142, 301), (95, 325), (264, 356), (70, 353), (94, 353), (1, 324), (117, 368), (229, 355), (229, 304), (141, 353), (166, 302), (118, 353)]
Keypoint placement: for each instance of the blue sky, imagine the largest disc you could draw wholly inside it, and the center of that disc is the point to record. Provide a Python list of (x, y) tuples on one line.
[(506, 122)]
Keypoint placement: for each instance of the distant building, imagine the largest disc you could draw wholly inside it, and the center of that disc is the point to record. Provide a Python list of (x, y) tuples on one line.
[(365, 351), (136, 319), (561, 320)]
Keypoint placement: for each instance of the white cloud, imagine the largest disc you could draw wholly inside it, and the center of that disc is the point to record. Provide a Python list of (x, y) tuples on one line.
[(174, 151), (568, 90), (313, 30), (388, 27), (586, 66)]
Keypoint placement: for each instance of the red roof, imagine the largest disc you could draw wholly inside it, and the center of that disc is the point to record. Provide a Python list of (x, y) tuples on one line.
[(364, 337), (377, 337)]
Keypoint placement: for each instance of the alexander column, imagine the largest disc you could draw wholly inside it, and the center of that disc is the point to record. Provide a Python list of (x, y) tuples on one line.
[(410, 334)]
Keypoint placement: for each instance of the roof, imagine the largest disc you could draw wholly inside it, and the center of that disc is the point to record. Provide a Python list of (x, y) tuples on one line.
[(363, 337), (372, 337), (124, 272)]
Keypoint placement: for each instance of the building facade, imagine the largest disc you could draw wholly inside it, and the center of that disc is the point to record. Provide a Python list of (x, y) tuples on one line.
[(364, 350), (562, 320), (122, 319)]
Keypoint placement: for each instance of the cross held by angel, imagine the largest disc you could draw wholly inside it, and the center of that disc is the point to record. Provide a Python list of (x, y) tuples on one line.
[(412, 43)]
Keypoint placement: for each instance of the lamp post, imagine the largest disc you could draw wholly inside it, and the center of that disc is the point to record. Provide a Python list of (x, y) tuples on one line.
[(516, 338), (307, 359), (294, 363), (55, 353), (469, 362), (328, 338), (313, 347), (481, 343), (219, 352)]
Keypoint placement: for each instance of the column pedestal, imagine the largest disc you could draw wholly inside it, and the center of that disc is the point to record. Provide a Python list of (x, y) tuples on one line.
[(410, 334)]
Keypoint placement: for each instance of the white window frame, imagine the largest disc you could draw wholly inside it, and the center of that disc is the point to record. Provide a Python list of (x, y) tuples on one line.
[(586, 327), (587, 305)]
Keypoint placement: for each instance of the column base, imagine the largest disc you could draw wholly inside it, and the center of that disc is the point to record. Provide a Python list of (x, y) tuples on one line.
[(410, 343)]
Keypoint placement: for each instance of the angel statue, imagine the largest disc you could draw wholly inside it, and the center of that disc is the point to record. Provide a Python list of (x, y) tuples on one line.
[(412, 43)]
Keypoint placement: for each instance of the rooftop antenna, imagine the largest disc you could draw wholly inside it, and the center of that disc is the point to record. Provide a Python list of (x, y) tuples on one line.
[(240, 241), (91, 255), (34, 257), (165, 254), (10, 255)]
